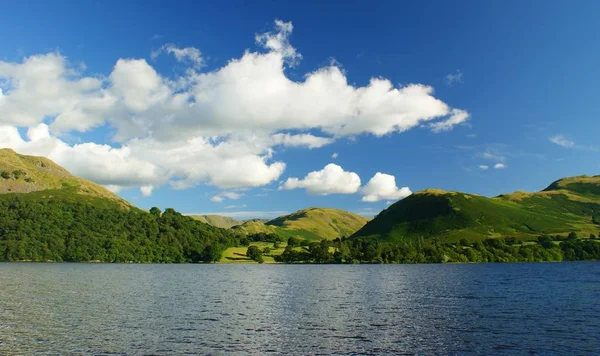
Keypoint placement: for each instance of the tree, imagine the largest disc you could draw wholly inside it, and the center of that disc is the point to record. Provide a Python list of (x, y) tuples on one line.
[(255, 254), (546, 241), (155, 212), (294, 241), (572, 236), (212, 253)]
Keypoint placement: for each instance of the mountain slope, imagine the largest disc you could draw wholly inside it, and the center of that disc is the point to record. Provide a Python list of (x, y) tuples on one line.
[(40, 178), (221, 221), (570, 204), (311, 223)]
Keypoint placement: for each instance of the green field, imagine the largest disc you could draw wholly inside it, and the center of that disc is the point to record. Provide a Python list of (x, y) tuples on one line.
[(238, 254)]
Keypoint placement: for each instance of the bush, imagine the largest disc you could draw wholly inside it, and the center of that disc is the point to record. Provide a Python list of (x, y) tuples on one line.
[(5, 174)]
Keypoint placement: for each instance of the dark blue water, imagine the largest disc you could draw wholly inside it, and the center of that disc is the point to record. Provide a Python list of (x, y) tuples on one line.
[(73, 309)]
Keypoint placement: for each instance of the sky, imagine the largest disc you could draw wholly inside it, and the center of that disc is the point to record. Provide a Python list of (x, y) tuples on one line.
[(254, 109)]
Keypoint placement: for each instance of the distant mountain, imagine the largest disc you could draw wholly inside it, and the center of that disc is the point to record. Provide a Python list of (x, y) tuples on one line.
[(40, 178), (221, 221), (570, 204), (311, 223)]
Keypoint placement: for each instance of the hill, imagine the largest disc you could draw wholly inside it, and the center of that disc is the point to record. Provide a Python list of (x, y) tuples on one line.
[(40, 178), (221, 221), (47, 214), (311, 223), (570, 204)]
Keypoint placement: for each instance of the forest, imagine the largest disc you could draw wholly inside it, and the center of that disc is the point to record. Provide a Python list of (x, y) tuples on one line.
[(53, 230)]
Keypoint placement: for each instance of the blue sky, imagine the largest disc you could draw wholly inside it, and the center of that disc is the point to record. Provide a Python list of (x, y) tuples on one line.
[(525, 74)]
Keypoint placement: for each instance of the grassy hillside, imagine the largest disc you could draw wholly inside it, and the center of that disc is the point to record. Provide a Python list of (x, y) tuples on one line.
[(223, 222), (311, 223), (39, 178), (571, 204)]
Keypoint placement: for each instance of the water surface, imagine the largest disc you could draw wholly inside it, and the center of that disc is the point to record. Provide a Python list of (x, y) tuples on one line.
[(73, 309)]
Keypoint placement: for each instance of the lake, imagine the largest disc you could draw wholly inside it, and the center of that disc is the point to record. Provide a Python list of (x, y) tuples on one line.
[(72, 309)]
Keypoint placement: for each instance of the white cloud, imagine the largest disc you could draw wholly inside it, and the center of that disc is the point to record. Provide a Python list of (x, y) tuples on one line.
[(306, 140), (278, 42), (499, 166), (226, 195), (383, 187), (235, 206), (334, 155), (330, 180), (453, 78), (492, 156), (216, 128), (458, 117), (484, 167), (562, 141), (146, 190), (187, 54)]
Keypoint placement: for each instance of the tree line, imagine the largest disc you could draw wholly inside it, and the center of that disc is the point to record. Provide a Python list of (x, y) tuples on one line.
[(372, 250), (54, 230)]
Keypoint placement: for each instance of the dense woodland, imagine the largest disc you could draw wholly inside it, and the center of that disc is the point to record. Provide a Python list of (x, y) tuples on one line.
[(55, 230), (62, 231), (370, 250)]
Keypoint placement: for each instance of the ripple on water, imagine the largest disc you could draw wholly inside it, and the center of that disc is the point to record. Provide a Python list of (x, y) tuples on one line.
[(375, 309)]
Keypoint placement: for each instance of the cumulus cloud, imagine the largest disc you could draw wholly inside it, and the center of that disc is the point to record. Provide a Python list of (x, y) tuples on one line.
[(278, 42), (216, 127), (484, 167), (499, 166), (562, 141), (330, 180), (383, 187), (334, 155), (187, 54)]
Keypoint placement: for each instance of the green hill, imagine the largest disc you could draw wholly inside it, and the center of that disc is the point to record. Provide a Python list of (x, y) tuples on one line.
[(39, 178), (221, 221), (570, 204), (311, 223), (47, 214)]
